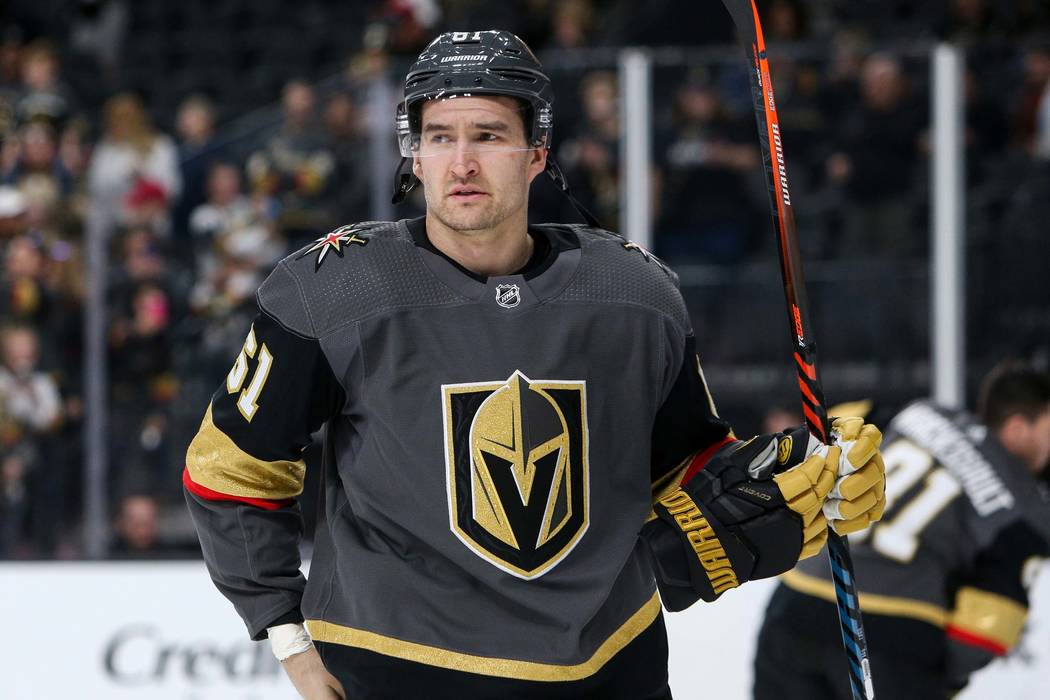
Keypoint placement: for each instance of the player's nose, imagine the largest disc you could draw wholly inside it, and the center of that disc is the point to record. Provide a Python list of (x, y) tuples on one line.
[(464, 162)]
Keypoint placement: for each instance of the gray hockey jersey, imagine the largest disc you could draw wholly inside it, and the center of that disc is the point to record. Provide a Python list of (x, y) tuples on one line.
[(964, 523), (492, 449)]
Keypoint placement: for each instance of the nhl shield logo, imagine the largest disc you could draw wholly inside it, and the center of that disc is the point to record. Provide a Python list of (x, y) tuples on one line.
[(508, 295), (517, 473)]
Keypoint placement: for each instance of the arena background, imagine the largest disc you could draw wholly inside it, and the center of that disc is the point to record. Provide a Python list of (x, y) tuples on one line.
[(159, 157)]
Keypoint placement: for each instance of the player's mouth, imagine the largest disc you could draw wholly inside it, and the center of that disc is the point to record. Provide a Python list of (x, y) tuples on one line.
[(467, 193)]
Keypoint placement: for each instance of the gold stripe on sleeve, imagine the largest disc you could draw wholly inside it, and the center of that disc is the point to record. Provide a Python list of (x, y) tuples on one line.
[(869, 602), (487, 665), (216, 462), (989, 615)]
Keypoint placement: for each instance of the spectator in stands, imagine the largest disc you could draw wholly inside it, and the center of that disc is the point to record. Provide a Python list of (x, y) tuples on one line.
[(24, 295), (785, 20), (350, 194), (295, 167), (131, 151), (30, 410), (39, 174), (705, 211), (571, 24), (226, 208), (877, 149), (198, 152), (1031, 98), (590, 156), (142, 386), (138, 533), (1041, 132), (11, 46), (43, 96), (236, 247), (136, 527), (146, 205)]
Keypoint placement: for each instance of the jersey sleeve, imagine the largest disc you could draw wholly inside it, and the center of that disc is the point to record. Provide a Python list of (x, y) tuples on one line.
[(687, 423), (687, 429), (244, 468), (991, 604)]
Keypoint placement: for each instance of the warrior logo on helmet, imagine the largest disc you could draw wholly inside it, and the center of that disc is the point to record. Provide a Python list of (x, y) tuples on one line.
[(516, 454)]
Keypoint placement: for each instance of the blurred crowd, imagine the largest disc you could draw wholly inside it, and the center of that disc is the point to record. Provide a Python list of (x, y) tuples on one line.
[(200, 207)]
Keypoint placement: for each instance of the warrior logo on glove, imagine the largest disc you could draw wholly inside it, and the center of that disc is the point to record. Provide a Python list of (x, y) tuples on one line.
[(516, 453)]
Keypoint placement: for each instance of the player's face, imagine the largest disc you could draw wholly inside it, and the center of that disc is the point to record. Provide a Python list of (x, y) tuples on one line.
[(474, 161)]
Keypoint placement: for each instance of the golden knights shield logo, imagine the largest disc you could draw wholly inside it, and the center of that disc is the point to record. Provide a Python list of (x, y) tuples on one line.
[(516, 455)]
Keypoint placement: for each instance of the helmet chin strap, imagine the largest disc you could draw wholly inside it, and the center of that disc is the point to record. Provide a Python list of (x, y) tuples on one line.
[(405, 181), (556, 174)]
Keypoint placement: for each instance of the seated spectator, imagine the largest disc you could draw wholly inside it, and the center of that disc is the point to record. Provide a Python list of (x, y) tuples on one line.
[(13, 210), (590, 156), (705, 212), (235, 247), (874, 164), (43, 96), (131, 151), (350, 194), (295, 167), (137, 534), (30, 410), (142, 386), (24, 295), (571, 24), (199, 150), (40, 175)]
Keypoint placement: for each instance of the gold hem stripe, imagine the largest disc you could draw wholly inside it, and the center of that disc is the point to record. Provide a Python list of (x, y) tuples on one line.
[(487, 665), (869, 602), (989, 615), (216, 462)]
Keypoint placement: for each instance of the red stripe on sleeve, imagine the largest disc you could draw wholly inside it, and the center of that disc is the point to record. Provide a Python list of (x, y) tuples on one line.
[(702, 458), (974, 640), (209, 495)]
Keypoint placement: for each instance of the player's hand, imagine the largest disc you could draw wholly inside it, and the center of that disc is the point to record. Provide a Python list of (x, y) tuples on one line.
[(859, 495), (805, 475), (311, 679)]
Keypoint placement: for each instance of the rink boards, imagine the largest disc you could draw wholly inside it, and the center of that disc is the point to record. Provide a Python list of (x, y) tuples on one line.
[(154, 631)]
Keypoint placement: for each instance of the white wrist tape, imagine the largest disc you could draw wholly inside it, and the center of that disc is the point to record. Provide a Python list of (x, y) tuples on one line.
[(289, 640)]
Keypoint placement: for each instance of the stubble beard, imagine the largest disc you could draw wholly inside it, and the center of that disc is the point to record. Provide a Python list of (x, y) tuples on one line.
[(475, 217)]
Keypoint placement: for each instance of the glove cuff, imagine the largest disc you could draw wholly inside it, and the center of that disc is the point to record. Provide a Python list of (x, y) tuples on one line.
[(700, 459)]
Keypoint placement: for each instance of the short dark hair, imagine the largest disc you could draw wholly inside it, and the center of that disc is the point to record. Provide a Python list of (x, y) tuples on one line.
[(1013, 387)]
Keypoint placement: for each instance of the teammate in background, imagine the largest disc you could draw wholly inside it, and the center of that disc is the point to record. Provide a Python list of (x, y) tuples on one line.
[(945, 574), (520, 447)]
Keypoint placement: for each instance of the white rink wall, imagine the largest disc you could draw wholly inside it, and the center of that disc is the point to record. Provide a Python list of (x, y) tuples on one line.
[(158, 630)]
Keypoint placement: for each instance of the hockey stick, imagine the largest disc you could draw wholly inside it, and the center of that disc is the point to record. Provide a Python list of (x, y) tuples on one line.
[(745, 16)]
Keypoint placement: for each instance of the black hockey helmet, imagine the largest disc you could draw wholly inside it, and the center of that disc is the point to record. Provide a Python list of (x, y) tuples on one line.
[(492, 62)]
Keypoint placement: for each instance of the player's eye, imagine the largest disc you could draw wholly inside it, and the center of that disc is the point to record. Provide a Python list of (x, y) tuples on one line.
[(440, 138), (488, 136)]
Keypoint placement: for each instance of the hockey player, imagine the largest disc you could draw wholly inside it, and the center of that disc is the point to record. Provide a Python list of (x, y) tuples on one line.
[(944, 574), (520, 447)]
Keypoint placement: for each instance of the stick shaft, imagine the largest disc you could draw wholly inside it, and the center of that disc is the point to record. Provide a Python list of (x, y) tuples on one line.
[(745, 16)]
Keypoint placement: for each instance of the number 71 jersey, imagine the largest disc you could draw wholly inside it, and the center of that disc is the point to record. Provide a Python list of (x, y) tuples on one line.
[(956, 502)]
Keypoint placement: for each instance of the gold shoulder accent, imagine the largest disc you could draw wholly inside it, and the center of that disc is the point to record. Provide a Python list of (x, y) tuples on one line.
[(989, 615), (488, 665), (869, 602), (216, 462)]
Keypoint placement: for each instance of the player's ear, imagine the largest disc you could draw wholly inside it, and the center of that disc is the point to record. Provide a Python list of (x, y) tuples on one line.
[(537, 162)]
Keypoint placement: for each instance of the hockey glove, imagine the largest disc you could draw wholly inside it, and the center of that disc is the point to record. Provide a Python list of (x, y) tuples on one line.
[(859, 495), (738, 521)]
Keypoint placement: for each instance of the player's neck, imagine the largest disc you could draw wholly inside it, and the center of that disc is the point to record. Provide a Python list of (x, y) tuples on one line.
[(502, 250)]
